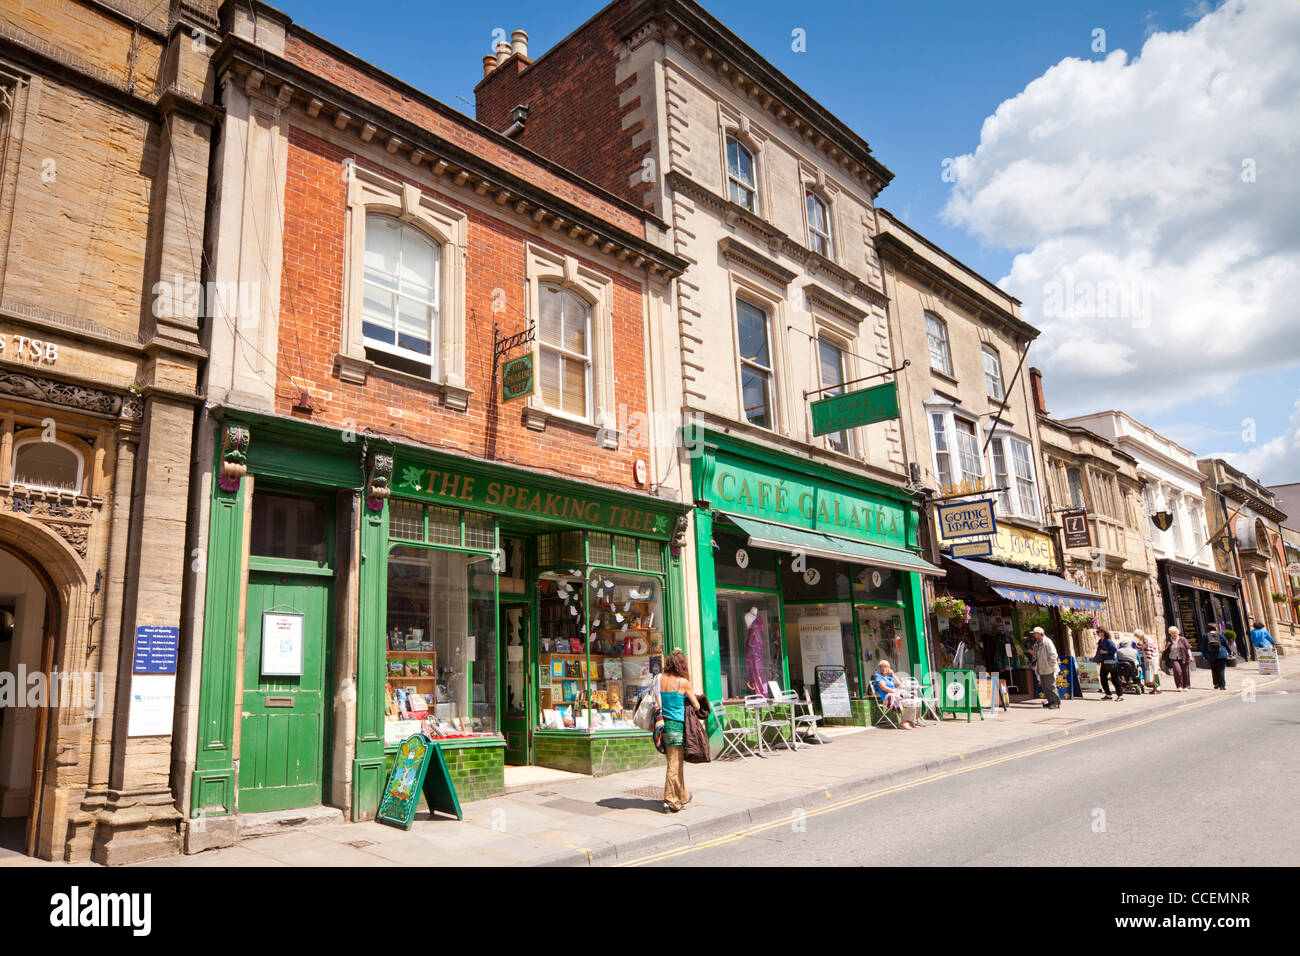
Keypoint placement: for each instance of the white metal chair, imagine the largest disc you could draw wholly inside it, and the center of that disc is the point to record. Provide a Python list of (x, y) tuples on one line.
[(884, 715), (733, 735), (758, 703), (805, 723), (925, 694)]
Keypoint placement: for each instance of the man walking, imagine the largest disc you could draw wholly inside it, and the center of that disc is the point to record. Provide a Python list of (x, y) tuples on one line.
[(1218, 651), (1046, 664)]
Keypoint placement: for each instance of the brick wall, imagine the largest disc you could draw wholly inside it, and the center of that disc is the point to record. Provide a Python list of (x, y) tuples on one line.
[(311, 321), (387, 95), (575, 118)]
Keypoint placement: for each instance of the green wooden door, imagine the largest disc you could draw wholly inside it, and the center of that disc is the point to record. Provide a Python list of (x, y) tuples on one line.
[(283, 730)]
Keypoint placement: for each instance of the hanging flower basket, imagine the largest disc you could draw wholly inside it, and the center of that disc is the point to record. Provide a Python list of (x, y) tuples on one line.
[(1077, 621), (951, 608)]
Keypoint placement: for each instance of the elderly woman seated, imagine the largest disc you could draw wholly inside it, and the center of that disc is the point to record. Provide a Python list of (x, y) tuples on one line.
[(896, 697)]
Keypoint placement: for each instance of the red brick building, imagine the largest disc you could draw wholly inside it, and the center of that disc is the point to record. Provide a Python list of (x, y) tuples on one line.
[(396, 535)]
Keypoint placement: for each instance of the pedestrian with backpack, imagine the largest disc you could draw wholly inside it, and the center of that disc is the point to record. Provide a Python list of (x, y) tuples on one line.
[(1218, 651)]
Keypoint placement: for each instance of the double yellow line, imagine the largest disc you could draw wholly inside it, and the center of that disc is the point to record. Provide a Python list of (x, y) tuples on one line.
[(932, 778)]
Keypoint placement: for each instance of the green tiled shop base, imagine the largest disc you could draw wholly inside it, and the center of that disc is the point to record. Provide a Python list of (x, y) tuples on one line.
[(477, 768), (596, 755), (864, 714)]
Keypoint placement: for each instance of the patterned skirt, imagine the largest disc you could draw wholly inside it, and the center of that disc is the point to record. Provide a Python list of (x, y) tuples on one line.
[(674, 733)]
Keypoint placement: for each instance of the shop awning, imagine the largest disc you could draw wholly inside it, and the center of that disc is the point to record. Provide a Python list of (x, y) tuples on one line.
[(779, 537), (1032, 587)]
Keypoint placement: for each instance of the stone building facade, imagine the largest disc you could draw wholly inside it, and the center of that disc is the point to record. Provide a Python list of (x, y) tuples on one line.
[(106, 116), (1250, 545), (770, 200), (1084, 470)]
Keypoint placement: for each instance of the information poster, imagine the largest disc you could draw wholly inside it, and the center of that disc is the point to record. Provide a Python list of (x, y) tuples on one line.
[(281, 645), (1267, 657), (153, 701), (820, 642), (1089, 674)]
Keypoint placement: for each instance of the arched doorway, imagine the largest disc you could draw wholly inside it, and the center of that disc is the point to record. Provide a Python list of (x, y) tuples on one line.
[(29, 614)]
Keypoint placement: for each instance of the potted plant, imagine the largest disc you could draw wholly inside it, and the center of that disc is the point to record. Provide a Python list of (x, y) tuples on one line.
[(950, 607)]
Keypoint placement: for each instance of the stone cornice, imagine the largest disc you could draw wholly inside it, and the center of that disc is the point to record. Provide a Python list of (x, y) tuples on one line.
[(86, 331), (1230, 489), (739, 65), (291, 86), (743, 255), (825, 299), (906, 259)]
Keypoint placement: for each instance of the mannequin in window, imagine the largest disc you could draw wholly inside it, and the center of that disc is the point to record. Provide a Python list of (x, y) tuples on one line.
[(755, 652)]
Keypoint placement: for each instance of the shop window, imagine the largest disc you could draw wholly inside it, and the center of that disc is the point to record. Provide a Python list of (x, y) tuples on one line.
[(600, 644), (480, 530), (47, 465), (600, 548), (819, 225), (652, 556), (831, 362), (442, 644), (755, 365), (749, 642), (936, 333), (881, 637), (877, 585), (736, 564), (820, 635), (400, 296), (443, 525), (821, 580), (406, 520), (437, 524), (564, 337), (288, 526), (993, 373), (742, 184)]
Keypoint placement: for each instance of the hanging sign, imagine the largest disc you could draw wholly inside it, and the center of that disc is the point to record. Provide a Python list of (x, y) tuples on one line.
[(966, 519), (1078, 534), (517, 378), (851, 409), (418, 768), (975, 548)]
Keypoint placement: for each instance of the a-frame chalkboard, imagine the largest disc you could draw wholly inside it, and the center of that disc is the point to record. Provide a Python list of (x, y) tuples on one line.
[(418, 768)]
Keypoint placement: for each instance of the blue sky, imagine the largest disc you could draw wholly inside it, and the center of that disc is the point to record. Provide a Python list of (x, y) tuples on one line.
[(917, 82)]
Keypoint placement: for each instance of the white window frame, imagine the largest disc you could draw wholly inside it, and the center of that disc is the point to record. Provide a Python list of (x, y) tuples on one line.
[(371, 192), (396, 348), (733, 178), (774, 416), (1014, 442), (957, 466), (544, 266), (812, 196), (946, 369), (21, 443), (989, 352), (845, 376), (544, 347)]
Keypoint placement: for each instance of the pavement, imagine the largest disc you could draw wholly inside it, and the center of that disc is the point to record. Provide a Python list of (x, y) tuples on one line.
[(620, 819)]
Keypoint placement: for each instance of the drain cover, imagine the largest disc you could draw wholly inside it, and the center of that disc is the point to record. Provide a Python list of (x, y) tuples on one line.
[(652, 793), (544, 793), (360, 844)]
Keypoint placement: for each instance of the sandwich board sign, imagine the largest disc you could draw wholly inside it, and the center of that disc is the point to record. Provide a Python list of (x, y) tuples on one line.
[(418, 768)]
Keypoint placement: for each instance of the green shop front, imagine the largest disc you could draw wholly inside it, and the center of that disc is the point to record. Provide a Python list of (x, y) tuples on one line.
[(515, 617), (802, 566)]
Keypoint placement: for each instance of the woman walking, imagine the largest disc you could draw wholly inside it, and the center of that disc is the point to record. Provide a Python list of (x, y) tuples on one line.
[(1147, 648), (1108, 658), (1179, 655), (675, 695)]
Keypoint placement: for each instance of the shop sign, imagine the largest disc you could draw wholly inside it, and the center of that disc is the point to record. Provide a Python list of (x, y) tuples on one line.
[(833, 691), (517, 378), (1078, 534), (797, 501), (978, 548), (1020, 546), (863, 407), (1267, 657), (1293, 567), (517, 495), (418, 768), (1089, 675), (966, 519), (23, 348), (1202, 584)]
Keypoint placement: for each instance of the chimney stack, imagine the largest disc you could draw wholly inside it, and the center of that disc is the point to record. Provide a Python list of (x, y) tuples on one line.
[(519, 43), (1036, 387), (489, 64), (503, 52)]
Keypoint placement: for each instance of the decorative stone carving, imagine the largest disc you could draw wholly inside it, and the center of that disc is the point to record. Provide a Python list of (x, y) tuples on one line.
[(75, 534), (70, 396), (235, 440), (379, 474)]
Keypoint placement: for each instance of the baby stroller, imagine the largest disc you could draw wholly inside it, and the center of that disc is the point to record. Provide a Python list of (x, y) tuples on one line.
[(1130, 676)]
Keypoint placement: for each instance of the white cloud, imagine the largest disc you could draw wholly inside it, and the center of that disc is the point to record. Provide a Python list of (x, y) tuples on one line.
[(1274, 462), (1157, 275)]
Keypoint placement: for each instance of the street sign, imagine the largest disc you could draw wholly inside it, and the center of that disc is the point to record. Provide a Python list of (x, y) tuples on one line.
[(975, 548), (517, 378), (863, 407), (966, 519), (1077, 532)]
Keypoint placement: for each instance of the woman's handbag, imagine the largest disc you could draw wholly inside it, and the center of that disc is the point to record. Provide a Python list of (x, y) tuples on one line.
[(644, 717)]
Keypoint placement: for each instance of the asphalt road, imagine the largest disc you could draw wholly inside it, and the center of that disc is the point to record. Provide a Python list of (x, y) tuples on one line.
[(1213, 784)]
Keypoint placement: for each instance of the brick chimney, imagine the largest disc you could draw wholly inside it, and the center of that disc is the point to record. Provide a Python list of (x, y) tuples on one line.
[(1036, 387)]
